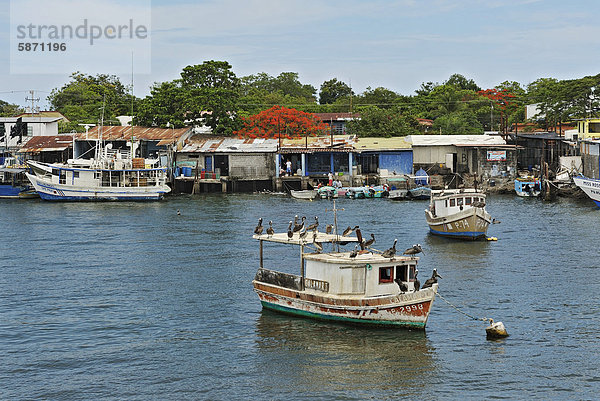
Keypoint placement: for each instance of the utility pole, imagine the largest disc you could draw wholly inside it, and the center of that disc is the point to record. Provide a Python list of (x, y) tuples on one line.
[(33, 99)]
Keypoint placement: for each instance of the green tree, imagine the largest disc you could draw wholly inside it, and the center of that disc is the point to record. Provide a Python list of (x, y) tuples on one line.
[(333, 90), (10, 110), (380, 97), (460, 82), (165, 106), (377, 122), (211, 92), (82, 99), (463, 122)]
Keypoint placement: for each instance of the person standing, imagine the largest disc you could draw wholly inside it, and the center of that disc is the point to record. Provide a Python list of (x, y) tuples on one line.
[(330, 178), (288, 167)]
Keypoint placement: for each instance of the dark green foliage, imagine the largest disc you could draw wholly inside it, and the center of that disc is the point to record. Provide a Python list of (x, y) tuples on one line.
[(333, 90)]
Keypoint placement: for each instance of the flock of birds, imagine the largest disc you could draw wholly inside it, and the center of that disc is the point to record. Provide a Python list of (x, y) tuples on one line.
[(298, 226)]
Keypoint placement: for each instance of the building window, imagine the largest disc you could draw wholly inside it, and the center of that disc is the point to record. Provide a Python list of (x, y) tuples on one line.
[(29, 130), (594, 128), (385, 275)]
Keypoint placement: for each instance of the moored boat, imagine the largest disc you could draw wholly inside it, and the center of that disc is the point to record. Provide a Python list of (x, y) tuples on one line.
[(14, 184), (112, 177), (458, 213), (419, 193), (304, 194), (528, 186), (327, 192), (591, 187), (367, 288)]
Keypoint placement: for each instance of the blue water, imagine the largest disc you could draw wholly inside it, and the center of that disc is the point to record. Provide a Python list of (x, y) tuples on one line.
[(131, 301)]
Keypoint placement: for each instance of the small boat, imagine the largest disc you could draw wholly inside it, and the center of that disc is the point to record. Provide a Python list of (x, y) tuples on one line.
[(528, 186), (327, 192), (111, 177), (419, 193), (591, 187), (357, 192), (458, 213), (398, 194), (14, 184), (365, 287), (304, 194)]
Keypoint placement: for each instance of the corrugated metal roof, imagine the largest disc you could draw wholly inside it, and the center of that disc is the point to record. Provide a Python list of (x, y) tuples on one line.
[(455, 140), (29, 119), (112, 133), (395, 143), (212, 144), (53, 143), (341, 143), (336, 116)]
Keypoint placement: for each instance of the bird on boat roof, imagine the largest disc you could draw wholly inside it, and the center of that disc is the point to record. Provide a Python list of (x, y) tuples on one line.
[(329, 228), (270, 230), (290, 233), (414, 250), (314, 225), (259, 228), (298, 227), (370, 242), (354, 252), (417, 282), (349, 230), (390, 253), (432, 280), (302, 234)]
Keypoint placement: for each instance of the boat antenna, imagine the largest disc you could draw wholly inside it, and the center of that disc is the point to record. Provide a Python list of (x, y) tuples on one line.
[(132, 105), (100, 138), (335, 227)]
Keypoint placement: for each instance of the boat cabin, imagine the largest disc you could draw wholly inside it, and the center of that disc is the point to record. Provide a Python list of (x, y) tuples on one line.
[(450, 201)]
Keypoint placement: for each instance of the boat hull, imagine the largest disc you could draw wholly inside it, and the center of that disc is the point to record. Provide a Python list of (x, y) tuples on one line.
[(420, 193), (407, 310), (470, 224), (306, 194), (59, 192), (590, 186), (527, 188), (12, 192)]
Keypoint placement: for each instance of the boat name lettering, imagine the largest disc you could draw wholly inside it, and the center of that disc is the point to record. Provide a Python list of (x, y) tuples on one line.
[(316, 284)]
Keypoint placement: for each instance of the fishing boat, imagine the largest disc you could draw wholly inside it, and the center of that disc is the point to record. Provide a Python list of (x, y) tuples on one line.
[(359, 287), (113, 176), (357, 192), (398, 194), (591, 187), (327, 192), (14, 184), (458, 213), (528, 186), (304, 194), (419, 193)]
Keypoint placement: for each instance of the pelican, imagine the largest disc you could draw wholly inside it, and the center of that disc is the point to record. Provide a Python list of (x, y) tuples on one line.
[(432, 280), (290, 233), (369, 242), (298, 227), (259, 228), (270, 230), (319, 247), (178, 212), (354, 252), (417, 282), (402, 285), (302, 234), (349, 230), (414, 250), (314, 225), (390, 253), (329, 228)]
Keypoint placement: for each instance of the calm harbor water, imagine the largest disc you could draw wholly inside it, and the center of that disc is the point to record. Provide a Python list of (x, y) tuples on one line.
[(131, 301)]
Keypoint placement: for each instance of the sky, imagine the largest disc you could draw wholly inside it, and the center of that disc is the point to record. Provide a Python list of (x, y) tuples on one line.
[(393, 44)]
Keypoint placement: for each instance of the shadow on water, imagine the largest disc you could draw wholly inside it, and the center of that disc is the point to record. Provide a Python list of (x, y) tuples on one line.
[(333, 357)]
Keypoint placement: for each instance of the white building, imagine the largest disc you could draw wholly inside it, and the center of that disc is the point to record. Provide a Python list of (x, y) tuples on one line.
[(32, 126)]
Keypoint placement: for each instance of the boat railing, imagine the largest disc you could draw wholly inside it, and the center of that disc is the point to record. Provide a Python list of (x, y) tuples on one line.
[(280, 279), (318, 285)]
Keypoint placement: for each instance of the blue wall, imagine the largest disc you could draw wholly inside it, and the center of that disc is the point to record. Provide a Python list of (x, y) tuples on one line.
[(400, 162)]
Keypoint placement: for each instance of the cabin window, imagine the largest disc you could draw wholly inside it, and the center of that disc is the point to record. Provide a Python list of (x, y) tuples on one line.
[(385, 275), (452, 202), (459, 201), (446, 202), (402, 273), (411, 273), (468, 200), (75, 174), (97, 175)]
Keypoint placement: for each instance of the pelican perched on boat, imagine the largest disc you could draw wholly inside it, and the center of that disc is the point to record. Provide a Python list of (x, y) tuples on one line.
[(354, 252), (432, 280), (417, 282), (290, 233), (270, 230), (329, 228), (349, 231), (390, 253), (298, 227), (259, 228), (414, 250), (370, 242), (314, 225), (302, 234)]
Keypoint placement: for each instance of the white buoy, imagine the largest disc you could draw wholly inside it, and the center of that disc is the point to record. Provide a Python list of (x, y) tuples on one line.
[(496, 330)]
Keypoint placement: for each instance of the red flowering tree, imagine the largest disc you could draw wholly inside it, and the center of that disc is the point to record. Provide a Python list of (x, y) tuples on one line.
[(282, 122), (504, 101)]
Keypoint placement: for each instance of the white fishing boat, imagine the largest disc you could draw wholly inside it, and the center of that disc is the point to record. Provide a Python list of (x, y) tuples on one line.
[(113, 176), (591, 187), (528, 187), (304, 194), (458, 213), (360, 287)]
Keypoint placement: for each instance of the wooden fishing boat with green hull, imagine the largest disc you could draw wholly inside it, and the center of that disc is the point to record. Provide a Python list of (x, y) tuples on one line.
[(359, 287)]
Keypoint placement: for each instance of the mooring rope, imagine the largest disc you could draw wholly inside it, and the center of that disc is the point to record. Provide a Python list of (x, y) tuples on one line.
[(484, 319)]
